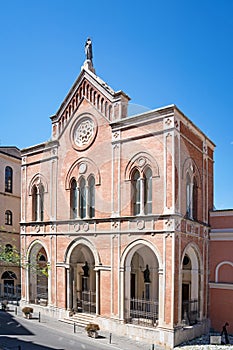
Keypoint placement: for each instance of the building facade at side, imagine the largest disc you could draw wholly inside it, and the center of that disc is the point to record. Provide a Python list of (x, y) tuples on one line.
[(10, 195), (221, 269), (117, 207)]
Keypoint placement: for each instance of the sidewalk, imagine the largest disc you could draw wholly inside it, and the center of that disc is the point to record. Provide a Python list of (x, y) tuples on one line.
[(106, 339)]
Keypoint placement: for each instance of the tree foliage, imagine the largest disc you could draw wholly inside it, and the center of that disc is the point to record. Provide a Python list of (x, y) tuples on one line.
[(10, 255)]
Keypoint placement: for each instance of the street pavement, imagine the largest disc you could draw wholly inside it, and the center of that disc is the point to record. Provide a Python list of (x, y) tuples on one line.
[(46, 333)]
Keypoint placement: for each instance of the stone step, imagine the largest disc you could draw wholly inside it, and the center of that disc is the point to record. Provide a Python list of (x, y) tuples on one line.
[(79, 319)]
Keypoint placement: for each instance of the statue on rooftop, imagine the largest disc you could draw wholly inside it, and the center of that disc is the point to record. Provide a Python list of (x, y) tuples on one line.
[(88, 50)]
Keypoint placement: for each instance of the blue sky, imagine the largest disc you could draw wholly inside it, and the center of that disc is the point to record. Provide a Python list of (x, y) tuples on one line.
[(158, 52)]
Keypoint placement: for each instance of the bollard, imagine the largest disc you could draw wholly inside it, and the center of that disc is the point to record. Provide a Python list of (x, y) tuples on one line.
[(74, 327), (110, 338), (16, 310), (39, 317)]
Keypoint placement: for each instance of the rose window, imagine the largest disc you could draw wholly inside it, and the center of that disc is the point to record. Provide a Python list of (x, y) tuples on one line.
[(84, 133)]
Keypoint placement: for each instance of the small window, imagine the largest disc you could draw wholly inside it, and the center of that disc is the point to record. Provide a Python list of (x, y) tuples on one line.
[(195, 199), (73, 199), (8, 217), (8, 179), (136, 193), (8, 248), (92, 197), (148, 191), (82, 200), (42, 257), (38, 203), (191, 198), (188, 197)]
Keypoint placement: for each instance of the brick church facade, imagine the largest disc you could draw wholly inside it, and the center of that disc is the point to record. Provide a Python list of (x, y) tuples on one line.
[(117, 207)]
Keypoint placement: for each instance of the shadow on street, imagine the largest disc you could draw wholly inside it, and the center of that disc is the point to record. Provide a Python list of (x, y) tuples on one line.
[(10, 327)]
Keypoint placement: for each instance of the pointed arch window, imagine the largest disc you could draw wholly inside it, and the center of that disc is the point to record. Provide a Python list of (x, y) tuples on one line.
[(142, 192), (82, 200), (92, 197), (136, 192), (8, 217), (38, 202), (8, 179), (195, 198), (148, 191), (74, 199), (188, 196), (191, 197)]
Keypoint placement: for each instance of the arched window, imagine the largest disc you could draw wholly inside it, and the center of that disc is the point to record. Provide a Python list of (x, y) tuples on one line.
[(188, 196), (8, 217), (8, 248), (38, 202), (41, 257), (8, 275), (136, 193), (92, 197), (195, 198), (191, 197), (34, 203), (82, 200), (110, 113), (148, 191), (8, 179), (73, 199), (41, 202)]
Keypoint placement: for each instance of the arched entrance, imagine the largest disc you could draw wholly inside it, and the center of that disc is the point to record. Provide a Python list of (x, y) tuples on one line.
[(141, 281), (191, 286), (82, 280), (8, 278), (38, 275)]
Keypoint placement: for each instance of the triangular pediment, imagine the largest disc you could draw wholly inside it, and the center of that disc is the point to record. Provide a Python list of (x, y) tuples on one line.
[(111, 104)]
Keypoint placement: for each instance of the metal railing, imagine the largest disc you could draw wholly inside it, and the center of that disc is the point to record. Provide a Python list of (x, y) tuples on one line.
[(143, 312), (42, 291), (87, 301), (190, 311), (10, 292)]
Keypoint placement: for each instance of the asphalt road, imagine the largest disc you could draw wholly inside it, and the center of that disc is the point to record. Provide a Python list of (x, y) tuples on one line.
[(18, 333)]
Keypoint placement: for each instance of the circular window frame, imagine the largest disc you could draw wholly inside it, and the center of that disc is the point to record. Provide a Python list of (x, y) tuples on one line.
[(82, 118)]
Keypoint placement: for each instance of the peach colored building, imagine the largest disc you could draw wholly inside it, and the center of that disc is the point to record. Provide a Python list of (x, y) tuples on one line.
[(118, 207), (10, 194), (221, 269)]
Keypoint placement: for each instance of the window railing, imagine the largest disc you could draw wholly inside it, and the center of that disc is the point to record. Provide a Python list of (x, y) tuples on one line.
[(190, 311), (10, 292), (87, 301), (143, 312)]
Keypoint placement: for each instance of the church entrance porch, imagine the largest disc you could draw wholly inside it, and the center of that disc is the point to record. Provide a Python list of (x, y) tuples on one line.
[(81, 280), (141, 286), (38, 273)]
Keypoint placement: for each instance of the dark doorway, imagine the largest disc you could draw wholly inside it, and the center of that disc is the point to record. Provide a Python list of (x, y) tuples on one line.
[(185, 291), (133, 285)]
